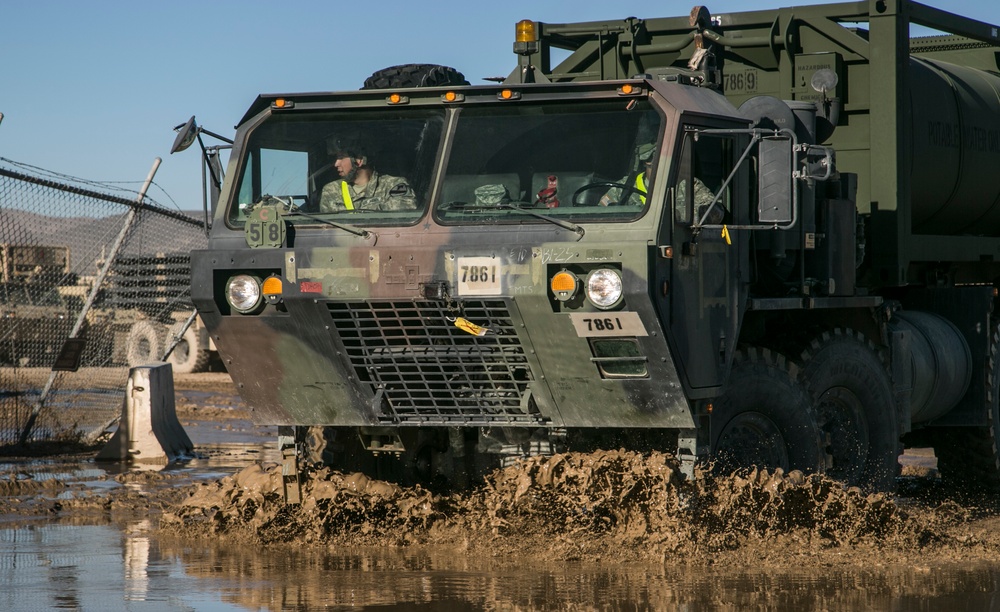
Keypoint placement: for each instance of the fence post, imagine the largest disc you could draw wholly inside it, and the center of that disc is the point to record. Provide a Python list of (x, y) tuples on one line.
[(133, 213)]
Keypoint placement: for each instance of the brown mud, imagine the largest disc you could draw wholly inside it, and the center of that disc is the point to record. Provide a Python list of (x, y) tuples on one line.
[(604, 506), (608, 506)]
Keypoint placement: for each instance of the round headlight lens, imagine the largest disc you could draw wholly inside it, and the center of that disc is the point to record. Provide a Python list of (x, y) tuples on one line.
[(604, 287), (243, 292)]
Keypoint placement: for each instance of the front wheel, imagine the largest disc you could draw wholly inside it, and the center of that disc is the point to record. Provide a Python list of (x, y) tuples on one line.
[(765, 418)]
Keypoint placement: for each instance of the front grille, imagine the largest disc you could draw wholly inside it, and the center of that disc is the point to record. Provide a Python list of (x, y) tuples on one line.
[(424, 369)]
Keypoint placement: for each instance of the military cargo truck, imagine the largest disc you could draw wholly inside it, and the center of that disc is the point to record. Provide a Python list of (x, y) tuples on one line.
[(148, 293), (34, 319), (132, 322), (764, 238)]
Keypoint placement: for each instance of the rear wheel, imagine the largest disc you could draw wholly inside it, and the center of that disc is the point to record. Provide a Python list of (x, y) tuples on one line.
[(970, 456), (852, 392), (765, 418), (187, 356), (415, 75)]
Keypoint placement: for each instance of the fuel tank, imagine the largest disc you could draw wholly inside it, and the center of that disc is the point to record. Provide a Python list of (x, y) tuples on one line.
[(956, 149)]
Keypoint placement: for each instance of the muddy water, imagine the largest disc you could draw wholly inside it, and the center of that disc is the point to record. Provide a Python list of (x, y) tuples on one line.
[(611, 531), (94, 567)]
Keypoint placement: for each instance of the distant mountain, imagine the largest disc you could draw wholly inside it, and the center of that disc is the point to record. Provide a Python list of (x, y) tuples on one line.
[(90, 238)]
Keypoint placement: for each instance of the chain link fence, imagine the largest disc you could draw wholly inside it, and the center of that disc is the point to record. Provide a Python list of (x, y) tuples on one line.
[(91, 283)]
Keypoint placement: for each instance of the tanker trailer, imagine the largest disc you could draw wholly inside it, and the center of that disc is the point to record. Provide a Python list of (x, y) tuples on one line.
[(777, 283), (918, 122)]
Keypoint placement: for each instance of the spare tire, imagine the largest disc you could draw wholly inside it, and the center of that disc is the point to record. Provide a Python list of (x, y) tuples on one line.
[(415, 75)]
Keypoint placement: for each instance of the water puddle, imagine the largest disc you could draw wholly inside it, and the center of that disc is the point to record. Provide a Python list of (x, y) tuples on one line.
[(62, 546), (88, 567)]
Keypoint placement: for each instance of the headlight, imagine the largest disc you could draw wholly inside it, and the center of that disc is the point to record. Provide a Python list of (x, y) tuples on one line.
[(243, 293), (604, 287)]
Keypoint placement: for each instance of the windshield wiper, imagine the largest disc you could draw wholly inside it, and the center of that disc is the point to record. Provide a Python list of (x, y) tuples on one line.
[(295, 211), (569, 225)]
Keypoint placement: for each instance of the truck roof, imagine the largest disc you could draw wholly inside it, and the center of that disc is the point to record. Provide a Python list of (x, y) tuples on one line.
[(685, 97)]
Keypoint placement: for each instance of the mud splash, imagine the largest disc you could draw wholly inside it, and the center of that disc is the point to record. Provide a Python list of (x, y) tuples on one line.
[(610, 505)]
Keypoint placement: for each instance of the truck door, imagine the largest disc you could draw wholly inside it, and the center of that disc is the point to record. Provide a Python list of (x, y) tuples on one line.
[(700, 302)]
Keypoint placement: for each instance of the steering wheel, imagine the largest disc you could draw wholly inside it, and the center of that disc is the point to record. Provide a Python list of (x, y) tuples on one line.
[(627, 191)]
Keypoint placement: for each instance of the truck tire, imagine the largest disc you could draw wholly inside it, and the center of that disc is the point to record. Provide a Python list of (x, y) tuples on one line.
[(143, 344), (969, 457), (852, 392), (415, 75), (765, 418), (188, 356)]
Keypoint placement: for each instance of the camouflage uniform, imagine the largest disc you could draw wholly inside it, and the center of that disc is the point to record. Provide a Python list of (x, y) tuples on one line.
[(703, 196), (636, 195), (381, 192)]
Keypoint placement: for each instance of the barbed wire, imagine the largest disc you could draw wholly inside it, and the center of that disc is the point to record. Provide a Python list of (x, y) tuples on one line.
[(107, 186)]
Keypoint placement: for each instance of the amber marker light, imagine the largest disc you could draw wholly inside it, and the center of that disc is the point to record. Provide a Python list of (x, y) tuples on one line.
[(397, 99), (452, 96), (525, 31), (282, 104), (271, 289), (508, 94), (564, 285)]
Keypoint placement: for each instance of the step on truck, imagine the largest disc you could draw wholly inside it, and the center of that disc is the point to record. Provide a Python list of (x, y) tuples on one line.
[(763, 238)]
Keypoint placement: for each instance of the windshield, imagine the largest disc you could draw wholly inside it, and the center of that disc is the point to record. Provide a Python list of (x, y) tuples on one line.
[(337, 164), (585, 161)]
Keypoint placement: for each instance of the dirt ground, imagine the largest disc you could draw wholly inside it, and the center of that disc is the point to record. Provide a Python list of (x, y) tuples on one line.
[(606, 506)]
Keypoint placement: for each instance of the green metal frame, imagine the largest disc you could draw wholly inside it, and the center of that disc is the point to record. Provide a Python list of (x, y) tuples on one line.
[(771, 53)]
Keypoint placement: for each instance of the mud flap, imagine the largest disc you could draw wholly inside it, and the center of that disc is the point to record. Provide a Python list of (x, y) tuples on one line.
[(290, 446), (692, 449)]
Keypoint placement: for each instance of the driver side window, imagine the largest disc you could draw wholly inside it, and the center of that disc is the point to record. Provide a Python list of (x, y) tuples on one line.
[(706, 161)]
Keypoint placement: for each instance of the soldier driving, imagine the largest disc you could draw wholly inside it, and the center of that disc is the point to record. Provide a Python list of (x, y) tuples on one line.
[(637, 181), (360, 186)]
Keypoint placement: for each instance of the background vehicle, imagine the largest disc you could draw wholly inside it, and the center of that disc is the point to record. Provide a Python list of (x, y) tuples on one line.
[(133, 322), (34, 320), (832, 296)]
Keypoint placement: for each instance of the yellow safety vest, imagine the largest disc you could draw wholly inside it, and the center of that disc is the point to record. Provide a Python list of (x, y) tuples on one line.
[(640, 185), (348, 202)]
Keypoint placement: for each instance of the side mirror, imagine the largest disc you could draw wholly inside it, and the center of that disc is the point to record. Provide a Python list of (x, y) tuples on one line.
[(186, 133), (774, 188)]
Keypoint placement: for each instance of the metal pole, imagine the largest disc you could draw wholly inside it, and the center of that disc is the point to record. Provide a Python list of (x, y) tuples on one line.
[(204, 190), (133, 213), (180, 334)]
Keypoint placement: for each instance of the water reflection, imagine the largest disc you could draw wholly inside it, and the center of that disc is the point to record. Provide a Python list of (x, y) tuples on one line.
[(104, 568)]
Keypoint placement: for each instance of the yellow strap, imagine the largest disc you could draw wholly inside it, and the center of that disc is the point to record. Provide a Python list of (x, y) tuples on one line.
[(640, 184), (470, 327), (725, 234), (344, 189)]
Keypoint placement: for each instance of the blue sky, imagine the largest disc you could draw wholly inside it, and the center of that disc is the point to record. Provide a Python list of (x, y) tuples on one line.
[(92, 89)]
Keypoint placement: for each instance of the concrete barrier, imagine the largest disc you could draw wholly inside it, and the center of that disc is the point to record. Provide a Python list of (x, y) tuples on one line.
[(148, 431)]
